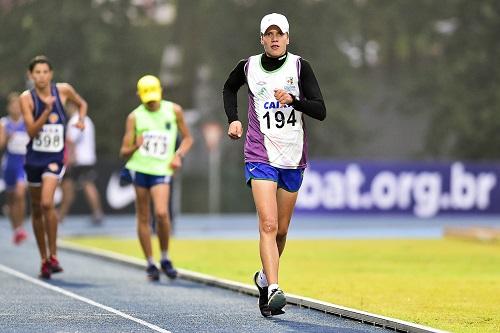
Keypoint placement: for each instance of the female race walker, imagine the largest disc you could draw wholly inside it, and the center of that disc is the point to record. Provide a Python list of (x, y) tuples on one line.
[(282, 89)]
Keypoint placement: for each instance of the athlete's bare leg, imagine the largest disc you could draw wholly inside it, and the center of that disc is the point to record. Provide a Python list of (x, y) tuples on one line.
[(37, 220), (94, 200), (265, 198), (17, 205), (286, 203), (49, 185), (68, 196), (142, 216), (161, 196)]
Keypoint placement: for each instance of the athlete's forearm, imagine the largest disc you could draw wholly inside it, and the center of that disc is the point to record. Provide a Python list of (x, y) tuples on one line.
[(313, 108), (311, 103), (229, 94), (34, 128), (129, 146), (82, 112), (127, 151), (230, 105), (184, 147)]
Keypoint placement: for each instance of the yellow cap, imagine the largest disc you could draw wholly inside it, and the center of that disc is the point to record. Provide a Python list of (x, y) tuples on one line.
[(149, 89)]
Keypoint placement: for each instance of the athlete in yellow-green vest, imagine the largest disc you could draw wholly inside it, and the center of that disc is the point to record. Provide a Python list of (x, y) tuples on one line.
[(149, 145)]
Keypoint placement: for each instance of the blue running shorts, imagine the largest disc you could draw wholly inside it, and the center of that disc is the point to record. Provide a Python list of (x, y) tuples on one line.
[(144, 180), (287, 179), (125, 177), (13, 173)]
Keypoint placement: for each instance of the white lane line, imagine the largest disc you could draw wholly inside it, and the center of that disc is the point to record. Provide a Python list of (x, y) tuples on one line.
[(46, 285)]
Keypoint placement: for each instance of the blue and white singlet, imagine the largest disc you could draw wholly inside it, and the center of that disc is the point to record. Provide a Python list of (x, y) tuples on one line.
[(48, 146)]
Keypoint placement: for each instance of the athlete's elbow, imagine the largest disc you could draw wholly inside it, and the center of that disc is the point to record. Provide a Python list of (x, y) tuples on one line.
[(321, 115), (318, 110), (123, 153)]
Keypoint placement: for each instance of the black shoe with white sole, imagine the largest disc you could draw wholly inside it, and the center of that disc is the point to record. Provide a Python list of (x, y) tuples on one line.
[(276, 302), (264, 309)]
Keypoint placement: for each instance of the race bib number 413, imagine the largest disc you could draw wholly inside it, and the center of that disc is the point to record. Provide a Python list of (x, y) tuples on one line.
[(155, 144), (50, 139)]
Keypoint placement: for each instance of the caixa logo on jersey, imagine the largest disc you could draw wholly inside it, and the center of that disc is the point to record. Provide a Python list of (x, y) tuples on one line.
[(420, 189), (272, 105)]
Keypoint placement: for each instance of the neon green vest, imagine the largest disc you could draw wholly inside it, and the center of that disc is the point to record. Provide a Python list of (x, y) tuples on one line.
[(159, 131)]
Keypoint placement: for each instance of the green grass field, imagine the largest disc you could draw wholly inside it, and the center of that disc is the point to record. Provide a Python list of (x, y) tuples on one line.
[(452, 285)]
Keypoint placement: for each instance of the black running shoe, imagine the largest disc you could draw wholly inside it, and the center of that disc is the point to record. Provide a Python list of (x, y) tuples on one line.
[(277, 301), (264, 309), (168, 268), (153, 273)]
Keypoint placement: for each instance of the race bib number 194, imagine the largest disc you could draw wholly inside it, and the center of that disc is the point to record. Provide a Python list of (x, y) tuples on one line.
[(50, 139)]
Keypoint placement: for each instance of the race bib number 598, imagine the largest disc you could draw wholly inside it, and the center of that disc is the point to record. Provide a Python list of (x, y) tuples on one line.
[(50, 139)]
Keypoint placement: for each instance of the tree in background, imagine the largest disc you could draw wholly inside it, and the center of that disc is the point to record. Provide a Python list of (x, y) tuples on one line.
[(101, 46), (465, 84)]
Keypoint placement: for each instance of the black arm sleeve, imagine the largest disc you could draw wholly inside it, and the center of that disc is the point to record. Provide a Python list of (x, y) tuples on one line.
[(312, 102), (233, 83)]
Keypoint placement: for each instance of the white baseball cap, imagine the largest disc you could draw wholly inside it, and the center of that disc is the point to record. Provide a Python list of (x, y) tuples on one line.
[(274, 19)]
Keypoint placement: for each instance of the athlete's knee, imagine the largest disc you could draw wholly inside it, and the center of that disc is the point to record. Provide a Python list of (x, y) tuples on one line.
[(142, 219), (143, 228), (142, 214), (46, 204), (161, 215), (268, 226)]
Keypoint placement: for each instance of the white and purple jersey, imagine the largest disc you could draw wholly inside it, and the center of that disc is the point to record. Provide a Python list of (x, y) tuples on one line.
[(275, 133)]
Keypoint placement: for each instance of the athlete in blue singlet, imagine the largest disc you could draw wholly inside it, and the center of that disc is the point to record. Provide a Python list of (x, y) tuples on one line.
[(45, 119), (282, 89), (13, 138)]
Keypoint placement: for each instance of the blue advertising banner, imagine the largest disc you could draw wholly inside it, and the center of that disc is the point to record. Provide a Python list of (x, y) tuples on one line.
[(420, 189)]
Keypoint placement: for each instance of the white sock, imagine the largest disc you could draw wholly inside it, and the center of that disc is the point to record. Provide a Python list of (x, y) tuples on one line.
[(272, 287), (151, 261), (261, 279), (164, 255)]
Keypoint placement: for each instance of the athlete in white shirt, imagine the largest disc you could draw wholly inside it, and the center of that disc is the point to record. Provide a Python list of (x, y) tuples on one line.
[(282, 89), (80, 164)]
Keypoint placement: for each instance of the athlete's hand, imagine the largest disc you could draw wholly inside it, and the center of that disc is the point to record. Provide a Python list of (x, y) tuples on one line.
[(49, 102), (139, 140), (176, 162), (283, 97), (80, 124), (235, 130)]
